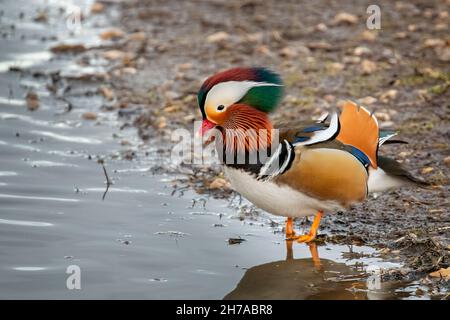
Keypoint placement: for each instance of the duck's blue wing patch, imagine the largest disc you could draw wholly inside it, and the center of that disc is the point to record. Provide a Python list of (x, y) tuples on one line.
[(313, 128), (308, 130)]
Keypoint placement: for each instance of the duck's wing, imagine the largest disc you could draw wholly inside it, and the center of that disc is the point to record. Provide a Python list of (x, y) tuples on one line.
[(293, 141), (356, 133), (327, 171)]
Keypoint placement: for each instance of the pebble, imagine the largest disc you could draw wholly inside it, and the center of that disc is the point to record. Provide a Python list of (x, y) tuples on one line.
[(184, 66), (329, 98), (97, 7), (263, 50), (137, 36), (106, 92), (254, 37), (218, 37), (443, 53), (345, 18), (382, 116), (400, 35), (288, 52), (319, 45), (431, 43), (129, 70), (368, 66), (368, 100), (360, 51), (388, 95), (171, 95), (125, 142), (32, 100), (321, 27), (404, 154), (161, 123), (172, 108), (89, 115), (336, 67), (387, 124), (447, 161), (114, 54), (426, 170), (368, 35), (351, 59)]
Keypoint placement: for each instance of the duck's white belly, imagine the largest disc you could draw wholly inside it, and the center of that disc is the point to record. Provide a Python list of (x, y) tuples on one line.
[(275, 199)]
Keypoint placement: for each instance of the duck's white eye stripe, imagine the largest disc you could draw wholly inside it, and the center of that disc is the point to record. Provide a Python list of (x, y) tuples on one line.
[(230, 92)]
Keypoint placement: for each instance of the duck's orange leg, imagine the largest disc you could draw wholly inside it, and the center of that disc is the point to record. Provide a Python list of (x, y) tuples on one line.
[(290, 233), (313, 231)]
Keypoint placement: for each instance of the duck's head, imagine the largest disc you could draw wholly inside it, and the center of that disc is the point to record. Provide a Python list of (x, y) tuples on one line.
[(239, 98)]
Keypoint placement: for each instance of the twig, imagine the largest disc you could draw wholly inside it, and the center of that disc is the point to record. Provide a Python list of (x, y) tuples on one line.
[(108, 182)]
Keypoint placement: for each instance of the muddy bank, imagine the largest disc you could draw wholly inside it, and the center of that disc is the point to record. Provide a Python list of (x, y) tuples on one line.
[(325, 54), (154, 56)]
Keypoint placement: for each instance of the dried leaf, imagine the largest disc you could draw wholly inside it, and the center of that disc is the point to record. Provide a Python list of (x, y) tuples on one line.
[(219, 183), (68, 48), (441, 273), (112, 34)]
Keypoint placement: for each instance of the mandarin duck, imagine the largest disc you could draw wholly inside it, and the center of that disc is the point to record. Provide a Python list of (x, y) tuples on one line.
[(295, 169)]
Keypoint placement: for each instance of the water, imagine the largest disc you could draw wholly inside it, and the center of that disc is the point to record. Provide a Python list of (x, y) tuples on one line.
[(141, 241)]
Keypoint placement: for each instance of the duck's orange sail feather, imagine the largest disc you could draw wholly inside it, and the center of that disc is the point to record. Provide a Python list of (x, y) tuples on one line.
[(359, 128)]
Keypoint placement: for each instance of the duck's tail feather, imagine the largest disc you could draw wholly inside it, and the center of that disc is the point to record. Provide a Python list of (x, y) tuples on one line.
[(391, 174)]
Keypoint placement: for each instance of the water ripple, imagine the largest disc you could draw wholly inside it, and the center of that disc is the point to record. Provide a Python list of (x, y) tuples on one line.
[(126, 190), (66, 138), (13, 196), (44, 163), (26, 223), (13, 102), (25, 60), (29, 268), (7, 173), (31, 120)]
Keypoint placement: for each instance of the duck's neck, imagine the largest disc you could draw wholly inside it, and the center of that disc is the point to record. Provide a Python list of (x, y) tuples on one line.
[(246, 138)]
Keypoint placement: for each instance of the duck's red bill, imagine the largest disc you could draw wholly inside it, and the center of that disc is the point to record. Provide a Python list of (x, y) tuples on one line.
[(206, 126), (203, 132)]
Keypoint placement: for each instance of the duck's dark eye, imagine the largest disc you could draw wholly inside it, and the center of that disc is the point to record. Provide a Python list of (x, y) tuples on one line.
[(221, 107)]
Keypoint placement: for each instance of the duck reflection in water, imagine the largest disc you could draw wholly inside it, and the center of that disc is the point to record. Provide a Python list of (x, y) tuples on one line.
[(299, 279)]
